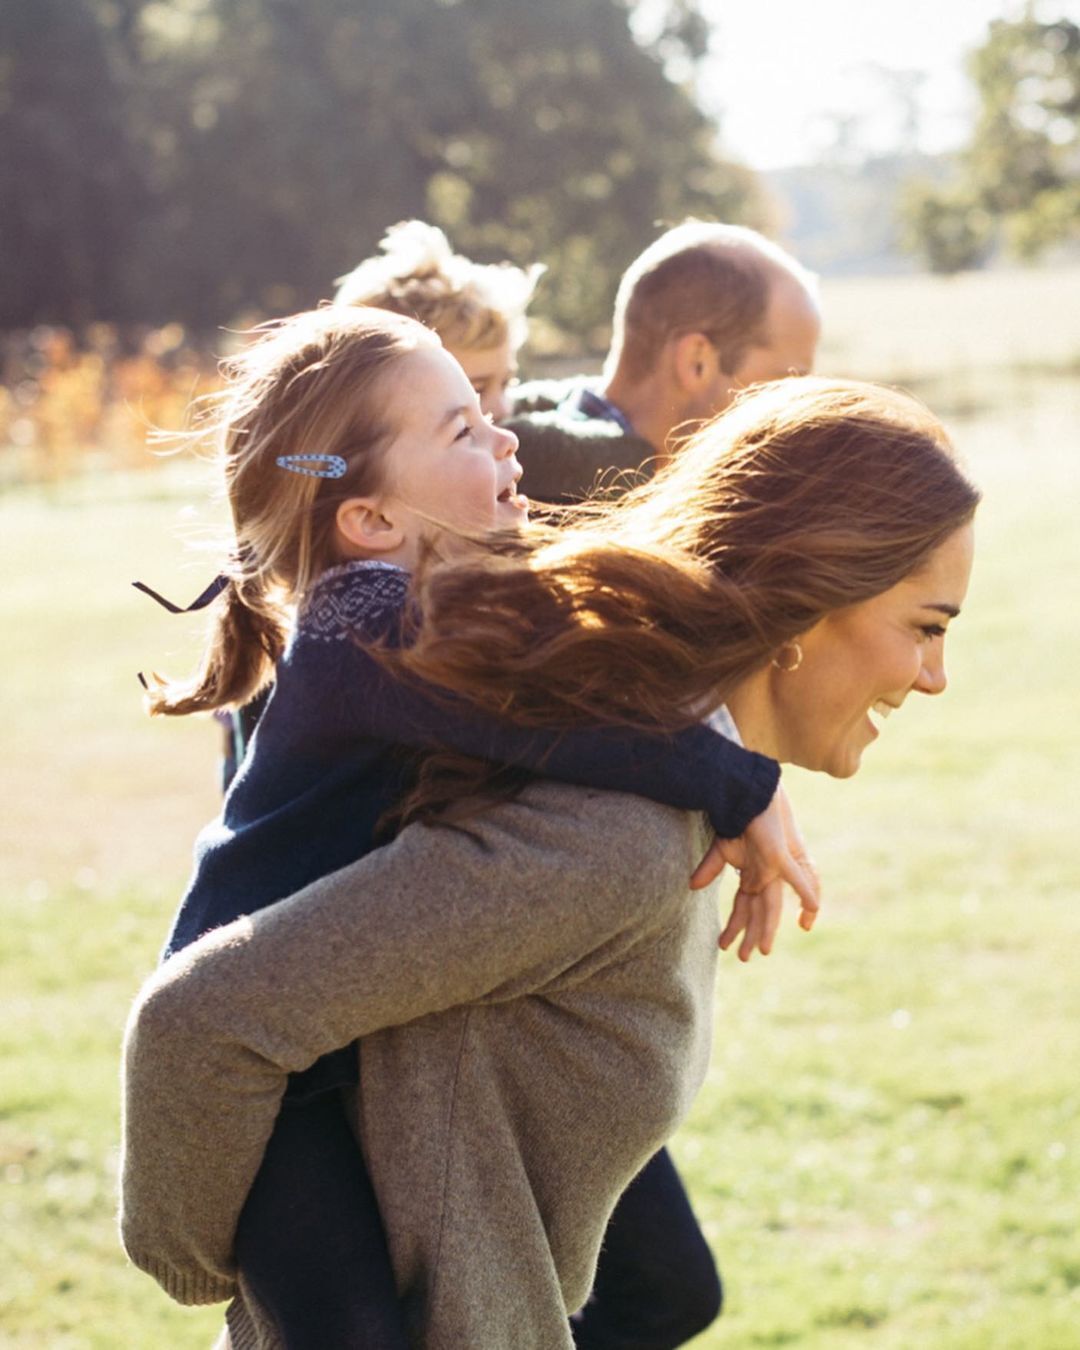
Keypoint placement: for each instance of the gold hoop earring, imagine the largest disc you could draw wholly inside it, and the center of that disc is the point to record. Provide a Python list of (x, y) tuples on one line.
[(788, 666)]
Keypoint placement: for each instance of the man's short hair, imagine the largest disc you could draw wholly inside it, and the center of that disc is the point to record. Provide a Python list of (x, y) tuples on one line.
[(698, 277)]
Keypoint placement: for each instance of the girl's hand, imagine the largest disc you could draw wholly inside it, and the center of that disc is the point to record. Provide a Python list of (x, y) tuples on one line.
[(770, 853)]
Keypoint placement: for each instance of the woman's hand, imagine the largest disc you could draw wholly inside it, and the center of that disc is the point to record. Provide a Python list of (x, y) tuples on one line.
[(770, 853)]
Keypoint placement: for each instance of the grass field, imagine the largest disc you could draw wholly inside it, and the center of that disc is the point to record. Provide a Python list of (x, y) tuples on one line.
[(887, 1149)]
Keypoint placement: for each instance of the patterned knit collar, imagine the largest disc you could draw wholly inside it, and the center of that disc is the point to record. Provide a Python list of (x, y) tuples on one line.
[(355, 565), (354, 598)]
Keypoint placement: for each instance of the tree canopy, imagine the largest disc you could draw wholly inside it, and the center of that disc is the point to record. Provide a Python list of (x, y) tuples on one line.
[(188, 159), (1019, 177)]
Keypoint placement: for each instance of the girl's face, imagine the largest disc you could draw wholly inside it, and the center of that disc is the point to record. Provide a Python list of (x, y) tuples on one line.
[(448, 465), (861, 662), (490, 371)]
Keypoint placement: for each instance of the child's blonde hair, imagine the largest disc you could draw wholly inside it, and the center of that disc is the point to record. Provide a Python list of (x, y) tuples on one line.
[(310, 391), (472, 306)]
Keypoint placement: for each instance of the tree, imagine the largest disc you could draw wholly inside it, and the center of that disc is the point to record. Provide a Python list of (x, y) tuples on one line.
[(1022, 166), (945, 225), (574, 145), (271, 142), (70, 189)]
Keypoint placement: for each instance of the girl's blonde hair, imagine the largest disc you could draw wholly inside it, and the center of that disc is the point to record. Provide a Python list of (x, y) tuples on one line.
[(472, 306), (310, 386), (806, 496)]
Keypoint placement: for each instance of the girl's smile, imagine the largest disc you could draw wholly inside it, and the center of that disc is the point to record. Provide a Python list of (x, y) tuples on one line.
[(447, 469), (448, 466)]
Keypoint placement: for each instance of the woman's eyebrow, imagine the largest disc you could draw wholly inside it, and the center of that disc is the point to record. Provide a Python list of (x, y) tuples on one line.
[(951, 610)]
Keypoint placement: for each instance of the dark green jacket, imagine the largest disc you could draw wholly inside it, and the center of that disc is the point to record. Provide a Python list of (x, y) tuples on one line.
[(564, 452)]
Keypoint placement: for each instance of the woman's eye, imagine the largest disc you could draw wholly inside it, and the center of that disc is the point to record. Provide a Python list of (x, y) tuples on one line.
[(932, 630)]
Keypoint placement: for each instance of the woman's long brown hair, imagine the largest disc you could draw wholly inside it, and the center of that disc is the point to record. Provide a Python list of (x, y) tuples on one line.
[(806, 496)]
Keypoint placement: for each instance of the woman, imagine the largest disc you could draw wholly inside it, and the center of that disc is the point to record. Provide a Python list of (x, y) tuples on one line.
[(536, 991)]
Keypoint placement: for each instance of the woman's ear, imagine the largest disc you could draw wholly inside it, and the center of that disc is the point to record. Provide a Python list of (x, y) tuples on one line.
[(362, 527)]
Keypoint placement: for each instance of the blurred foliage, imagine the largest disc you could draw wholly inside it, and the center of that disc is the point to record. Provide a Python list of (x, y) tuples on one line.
[(68, 403), (71, 193), (1019, 178), (187, 160), (839, 216), (946, 225)]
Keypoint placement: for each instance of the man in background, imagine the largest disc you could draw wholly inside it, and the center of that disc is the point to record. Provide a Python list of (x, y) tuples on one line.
[(706, 310)]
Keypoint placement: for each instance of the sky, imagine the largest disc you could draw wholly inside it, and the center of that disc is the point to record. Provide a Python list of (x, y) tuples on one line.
[(790, 79)]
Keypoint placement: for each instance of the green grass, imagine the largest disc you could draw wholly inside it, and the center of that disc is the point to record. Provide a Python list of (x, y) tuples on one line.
[(886, 1152), (100, 809), (955, 329)]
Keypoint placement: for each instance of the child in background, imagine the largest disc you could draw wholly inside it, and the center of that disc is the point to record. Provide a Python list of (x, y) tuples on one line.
[(352, 442), (478, 309)]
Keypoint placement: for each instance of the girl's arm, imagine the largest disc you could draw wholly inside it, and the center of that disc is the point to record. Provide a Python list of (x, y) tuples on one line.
[(695, 770), (438, 918)]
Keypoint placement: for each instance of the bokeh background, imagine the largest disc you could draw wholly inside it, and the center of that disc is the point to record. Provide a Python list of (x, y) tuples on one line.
[(886, 1153)]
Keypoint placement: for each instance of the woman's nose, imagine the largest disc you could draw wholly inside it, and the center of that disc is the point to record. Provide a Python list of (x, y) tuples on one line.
[(932, 678), (496, 405)]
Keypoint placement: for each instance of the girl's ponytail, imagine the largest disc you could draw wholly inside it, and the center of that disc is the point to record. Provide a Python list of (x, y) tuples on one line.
[(246, 639)]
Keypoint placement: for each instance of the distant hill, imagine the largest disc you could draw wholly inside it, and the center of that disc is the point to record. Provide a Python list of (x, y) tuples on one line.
[(840, 220)]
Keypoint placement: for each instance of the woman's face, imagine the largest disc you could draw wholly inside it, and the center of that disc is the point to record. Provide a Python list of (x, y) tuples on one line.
[(860, 663)]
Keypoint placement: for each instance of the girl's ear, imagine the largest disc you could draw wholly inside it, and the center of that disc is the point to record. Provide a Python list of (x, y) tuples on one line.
[(362, 527)]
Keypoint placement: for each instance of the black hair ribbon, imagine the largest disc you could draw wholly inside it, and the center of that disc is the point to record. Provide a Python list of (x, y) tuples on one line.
[(201, 601)]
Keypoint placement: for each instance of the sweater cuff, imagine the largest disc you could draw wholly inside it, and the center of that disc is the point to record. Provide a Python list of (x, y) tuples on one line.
[(758, 784), (764, 781), (197, 1287), (243, 1333)]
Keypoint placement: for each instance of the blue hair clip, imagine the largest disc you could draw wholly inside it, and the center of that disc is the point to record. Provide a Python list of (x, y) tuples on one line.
[(333, 466)]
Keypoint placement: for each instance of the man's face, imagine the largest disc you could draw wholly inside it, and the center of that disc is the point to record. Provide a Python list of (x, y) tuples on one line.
[(791, 328)]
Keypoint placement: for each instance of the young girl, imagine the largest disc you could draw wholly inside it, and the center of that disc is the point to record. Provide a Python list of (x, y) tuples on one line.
[(477, 309), (352, 443)]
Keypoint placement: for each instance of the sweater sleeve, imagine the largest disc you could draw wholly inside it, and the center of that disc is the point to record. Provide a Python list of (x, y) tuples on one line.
[(695, 770), (438, 918)]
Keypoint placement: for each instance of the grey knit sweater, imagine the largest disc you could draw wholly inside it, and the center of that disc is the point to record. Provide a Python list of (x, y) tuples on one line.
[(535, 994)]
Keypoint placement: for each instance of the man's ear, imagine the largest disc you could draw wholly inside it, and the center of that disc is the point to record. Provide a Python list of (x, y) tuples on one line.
[(695, 362), (362, 525)]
